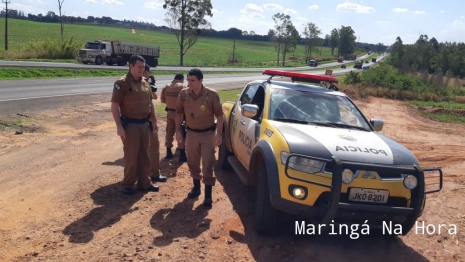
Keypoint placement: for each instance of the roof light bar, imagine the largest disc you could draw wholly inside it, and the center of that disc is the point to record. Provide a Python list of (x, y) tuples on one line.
[(302, 77)]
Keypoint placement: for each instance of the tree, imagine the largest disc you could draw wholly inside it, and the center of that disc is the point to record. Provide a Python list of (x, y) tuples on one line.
[(334, 40), (284, 35), (311, 33), (346, 41), (186, 17), (60, 4)]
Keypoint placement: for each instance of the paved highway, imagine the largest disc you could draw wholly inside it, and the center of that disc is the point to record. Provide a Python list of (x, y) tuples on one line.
[(159, 68)]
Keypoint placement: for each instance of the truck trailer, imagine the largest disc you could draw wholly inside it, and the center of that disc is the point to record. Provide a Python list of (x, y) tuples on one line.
[(117, 52)]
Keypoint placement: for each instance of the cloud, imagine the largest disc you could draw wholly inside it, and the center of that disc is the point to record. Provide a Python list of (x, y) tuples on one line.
[(302, 18), (154, 5), (352, 7), (273, 7), (215, 11), (399, 10), (442, 11), (112, 2), (457, 22), (383, 22), (420, 12), (313, 7), (252, 8), (290, 11), (91, 1)]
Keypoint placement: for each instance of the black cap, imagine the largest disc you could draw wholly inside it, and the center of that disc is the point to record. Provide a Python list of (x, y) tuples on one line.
[(179, 76)]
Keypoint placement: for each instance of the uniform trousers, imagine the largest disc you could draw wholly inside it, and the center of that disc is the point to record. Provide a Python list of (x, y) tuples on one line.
[(171, 130), (136, 167), (154, 154), (199, 148)]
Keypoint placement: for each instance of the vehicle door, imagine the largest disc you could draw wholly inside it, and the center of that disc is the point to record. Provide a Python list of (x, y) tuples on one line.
[(244, 135)]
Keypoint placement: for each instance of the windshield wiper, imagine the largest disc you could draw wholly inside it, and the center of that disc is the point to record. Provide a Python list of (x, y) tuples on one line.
[(348, 126), (291, 120)]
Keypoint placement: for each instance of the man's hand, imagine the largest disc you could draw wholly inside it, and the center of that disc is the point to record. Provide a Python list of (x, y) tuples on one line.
[(178, 137), (121, 133), (155, 96), (155, 127), (218, 140)]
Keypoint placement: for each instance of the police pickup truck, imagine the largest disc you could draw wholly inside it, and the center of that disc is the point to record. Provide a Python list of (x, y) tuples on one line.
[(309, 151)]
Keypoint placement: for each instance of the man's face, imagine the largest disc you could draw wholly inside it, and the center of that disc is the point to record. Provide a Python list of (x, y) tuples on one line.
[(193, 82), (137, 70)]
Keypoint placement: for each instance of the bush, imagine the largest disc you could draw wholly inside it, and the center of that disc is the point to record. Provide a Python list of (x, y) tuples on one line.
[(352, 78), (54, 49)]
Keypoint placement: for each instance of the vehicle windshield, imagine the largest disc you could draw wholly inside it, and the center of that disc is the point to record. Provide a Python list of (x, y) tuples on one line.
[(91, 45), (315, 108)]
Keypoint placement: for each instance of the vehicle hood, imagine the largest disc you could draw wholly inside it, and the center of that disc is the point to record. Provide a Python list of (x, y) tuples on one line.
[(346, 144)]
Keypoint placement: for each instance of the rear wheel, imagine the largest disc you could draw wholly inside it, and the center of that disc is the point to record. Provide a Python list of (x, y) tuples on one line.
[(265, 214)]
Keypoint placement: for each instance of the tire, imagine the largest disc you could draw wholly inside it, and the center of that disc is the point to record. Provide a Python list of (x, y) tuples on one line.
[(98, 60), (265, 215), (223, 154)]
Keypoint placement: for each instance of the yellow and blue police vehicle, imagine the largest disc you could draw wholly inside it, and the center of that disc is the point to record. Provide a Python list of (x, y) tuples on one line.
[(308, 150)]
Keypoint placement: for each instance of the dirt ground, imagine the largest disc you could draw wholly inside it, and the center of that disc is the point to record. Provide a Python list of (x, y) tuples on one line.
[(60, 199)]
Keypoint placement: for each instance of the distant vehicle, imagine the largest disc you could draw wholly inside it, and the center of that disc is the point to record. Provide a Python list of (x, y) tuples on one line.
[(313, 63), (343, 66), (340, 59), (358, 64), (373, 60), (116, 52)]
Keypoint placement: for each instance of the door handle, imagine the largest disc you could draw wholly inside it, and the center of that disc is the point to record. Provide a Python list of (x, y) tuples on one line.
[(242, 122)]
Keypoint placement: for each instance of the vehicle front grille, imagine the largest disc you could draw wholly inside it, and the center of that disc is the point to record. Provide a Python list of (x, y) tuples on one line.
[(82, 52), (329, 168)]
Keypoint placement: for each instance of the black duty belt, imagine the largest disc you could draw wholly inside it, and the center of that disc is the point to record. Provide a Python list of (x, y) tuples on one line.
[(135, 120), (170, 109), (212, 128)]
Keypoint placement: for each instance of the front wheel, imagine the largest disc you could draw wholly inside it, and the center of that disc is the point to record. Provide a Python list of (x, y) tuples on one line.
[(223, 155), (265, 214)]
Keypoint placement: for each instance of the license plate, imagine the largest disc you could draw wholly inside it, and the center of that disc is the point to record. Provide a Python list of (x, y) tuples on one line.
[(368, 195)]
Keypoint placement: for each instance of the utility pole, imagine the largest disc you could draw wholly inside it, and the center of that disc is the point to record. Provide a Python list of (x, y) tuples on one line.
[(6, 24)]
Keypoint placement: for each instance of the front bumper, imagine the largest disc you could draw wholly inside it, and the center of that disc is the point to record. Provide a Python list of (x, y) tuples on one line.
[(334, 205), (86, 59)]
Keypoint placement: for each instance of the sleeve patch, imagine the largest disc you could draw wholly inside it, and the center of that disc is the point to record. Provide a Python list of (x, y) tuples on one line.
[(117, 87)]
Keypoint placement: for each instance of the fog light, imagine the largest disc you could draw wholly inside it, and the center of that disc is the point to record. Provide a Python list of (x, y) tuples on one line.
[(410, 182), (298, 192), (347, 176)]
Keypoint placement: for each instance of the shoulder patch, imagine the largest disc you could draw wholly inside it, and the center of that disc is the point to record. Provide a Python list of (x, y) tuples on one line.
[(117, 87)]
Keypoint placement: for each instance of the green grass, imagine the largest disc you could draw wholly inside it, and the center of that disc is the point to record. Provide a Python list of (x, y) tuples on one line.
[(225, 95), (207, 51), (36, 73), (438, 104), (12, 125), (444, 117)]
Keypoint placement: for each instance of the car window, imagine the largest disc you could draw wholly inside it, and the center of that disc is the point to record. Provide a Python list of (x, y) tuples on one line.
[(314, 107), (249, 93)]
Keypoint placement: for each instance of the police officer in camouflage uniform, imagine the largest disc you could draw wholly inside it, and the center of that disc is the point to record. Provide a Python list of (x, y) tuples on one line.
[(132, 108), (169, 95), (200, 105)]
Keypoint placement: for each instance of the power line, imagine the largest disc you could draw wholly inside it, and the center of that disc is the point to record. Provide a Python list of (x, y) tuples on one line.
[(6, 23)]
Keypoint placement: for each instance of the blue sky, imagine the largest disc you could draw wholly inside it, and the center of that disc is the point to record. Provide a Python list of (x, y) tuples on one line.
[(374, 21)]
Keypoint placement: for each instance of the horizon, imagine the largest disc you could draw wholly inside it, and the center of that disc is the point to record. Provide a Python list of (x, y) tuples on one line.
[(373, 21)]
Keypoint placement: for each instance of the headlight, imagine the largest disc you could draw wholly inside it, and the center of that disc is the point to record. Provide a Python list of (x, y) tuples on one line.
[(410, 182), (347, 176), (303, 164)]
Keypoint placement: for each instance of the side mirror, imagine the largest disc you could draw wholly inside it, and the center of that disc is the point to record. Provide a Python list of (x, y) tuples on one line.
[(377, 124), (249, 110)]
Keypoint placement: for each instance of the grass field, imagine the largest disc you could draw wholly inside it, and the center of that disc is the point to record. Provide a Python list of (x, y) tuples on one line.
[(206, 52)]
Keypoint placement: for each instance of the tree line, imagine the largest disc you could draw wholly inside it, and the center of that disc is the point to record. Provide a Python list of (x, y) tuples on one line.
[(427, 54)]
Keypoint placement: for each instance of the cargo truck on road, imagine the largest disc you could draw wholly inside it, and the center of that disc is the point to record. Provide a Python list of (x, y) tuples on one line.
[(117, 52)]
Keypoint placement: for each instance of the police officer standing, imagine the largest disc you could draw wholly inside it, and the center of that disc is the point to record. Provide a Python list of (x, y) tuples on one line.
[(169, 95), (154, 143), (132, 107), (200, 105)]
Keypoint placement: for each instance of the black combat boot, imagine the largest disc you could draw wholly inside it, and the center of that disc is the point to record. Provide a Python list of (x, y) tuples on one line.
[(208, 196), (169, 154), (182, 155), (195, 192)]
